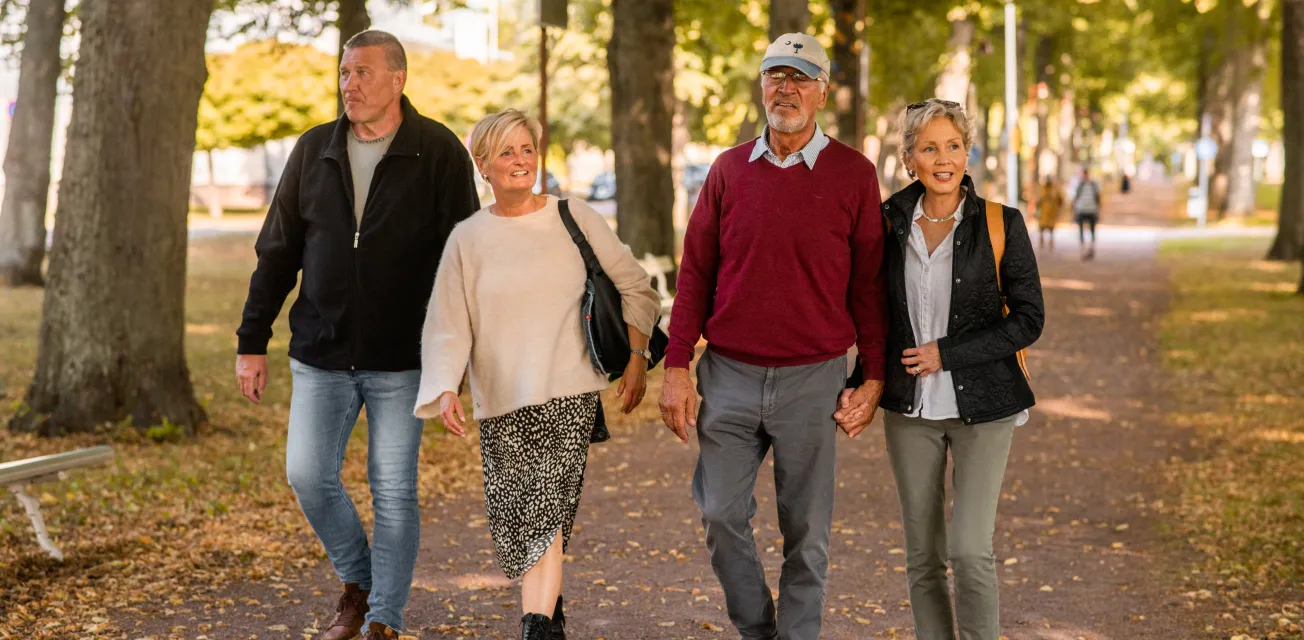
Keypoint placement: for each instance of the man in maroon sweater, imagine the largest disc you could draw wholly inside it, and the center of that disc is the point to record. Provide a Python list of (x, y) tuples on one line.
[(781, 274)]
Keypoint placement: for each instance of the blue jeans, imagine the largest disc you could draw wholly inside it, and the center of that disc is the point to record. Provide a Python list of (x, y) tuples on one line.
[(324, 407)]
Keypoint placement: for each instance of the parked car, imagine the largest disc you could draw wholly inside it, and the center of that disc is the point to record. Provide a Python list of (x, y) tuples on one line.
[(695, 176), (603, 187)]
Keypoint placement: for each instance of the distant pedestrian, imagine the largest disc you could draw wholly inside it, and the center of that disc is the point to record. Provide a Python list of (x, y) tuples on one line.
[(1049, 203), (507, 302), (1086, 212)]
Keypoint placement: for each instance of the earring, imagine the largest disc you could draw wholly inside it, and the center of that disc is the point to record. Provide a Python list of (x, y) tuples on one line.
[(911, 173)]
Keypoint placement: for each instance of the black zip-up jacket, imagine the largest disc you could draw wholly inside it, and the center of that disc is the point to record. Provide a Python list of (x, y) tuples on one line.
[(365, 289), (981, 345)]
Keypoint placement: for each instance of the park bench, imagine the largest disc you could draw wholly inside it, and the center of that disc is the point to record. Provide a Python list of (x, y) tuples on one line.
[(659, 267), (18, 474)]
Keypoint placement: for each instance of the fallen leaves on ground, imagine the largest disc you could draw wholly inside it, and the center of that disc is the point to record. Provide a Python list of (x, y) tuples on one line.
[(1234, 342)]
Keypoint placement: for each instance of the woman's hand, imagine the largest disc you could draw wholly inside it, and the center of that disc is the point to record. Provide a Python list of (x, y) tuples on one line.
[(633, 383), (922, 361), (450, 409)]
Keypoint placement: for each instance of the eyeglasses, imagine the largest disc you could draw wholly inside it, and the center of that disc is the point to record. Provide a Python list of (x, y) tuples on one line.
[(925, 103), (775, 77)]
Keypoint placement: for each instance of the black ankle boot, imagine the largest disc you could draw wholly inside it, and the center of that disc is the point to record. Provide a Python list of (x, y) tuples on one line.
[(535, 626), (558, 623)]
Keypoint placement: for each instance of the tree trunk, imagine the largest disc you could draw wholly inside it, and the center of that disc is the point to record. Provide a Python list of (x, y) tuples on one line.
[(1043, 69), (640, 63), (1235, 104), (953, 83), (112, 343), (848, 40), (1289, 244), (1068, 124), (27, 160), (978, 170), (353, 19), (788, 16), (1249, 107)]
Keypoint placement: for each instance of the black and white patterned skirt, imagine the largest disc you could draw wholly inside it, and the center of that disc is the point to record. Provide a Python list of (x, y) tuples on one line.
[(534, 461)]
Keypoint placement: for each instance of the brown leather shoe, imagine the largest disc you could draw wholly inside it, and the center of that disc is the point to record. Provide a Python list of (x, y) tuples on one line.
[(378, 631), (349, 614)]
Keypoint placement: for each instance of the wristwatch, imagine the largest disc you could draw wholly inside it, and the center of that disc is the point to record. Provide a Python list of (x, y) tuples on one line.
[(647, 355)]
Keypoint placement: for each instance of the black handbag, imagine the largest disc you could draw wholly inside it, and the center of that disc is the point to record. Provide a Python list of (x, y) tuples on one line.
[(601, 314)]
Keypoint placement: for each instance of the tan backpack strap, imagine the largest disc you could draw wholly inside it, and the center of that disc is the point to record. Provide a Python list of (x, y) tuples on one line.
[(996, 231)]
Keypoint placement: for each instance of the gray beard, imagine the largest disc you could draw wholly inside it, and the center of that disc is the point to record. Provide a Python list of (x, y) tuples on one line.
[(786, 125)]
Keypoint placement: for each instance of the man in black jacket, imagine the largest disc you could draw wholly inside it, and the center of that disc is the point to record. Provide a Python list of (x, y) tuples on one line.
[(363, 210)]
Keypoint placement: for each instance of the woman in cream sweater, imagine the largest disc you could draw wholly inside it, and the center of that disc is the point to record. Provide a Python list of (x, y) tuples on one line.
[(507, 302)]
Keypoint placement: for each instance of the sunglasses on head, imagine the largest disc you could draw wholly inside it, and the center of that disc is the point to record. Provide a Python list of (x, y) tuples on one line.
[(925, 103)]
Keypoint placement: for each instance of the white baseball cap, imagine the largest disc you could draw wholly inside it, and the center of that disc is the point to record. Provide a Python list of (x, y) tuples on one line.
[(799, 51)]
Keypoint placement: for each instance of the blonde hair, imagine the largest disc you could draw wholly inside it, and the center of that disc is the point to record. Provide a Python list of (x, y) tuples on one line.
[(490, 134), (918, 115)]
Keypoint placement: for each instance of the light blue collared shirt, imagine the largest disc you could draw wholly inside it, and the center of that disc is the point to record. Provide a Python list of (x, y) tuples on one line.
[(808, 153)]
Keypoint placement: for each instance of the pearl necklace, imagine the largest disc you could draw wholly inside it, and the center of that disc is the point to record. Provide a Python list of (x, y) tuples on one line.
[(941, 220)]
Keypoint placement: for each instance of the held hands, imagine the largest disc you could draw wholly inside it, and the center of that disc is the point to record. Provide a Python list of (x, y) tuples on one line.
[(450, 409), (856, 407), (678, 402), (923, 360), (251, 376), (633, 383)]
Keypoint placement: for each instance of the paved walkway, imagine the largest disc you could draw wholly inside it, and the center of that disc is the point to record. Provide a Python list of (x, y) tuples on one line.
[(1080, 553)]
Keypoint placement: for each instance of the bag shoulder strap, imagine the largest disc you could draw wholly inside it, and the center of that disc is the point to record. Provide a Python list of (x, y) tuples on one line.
[(577, 236), (996, 232)]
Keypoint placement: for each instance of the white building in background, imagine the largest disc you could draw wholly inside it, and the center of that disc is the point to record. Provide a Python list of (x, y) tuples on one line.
[(246, 178)]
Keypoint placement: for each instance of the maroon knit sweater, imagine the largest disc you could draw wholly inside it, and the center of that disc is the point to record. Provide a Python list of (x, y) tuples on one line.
[(783, 267)]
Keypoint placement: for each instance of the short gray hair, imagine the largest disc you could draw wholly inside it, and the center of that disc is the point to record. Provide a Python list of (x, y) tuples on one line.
[(918, 115), (395, 56)]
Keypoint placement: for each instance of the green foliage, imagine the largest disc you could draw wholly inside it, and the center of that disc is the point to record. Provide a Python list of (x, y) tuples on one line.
[(166, 432), (264, 91)]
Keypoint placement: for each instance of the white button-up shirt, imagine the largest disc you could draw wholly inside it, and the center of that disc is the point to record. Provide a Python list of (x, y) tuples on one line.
[(807, 155), (928, 298)]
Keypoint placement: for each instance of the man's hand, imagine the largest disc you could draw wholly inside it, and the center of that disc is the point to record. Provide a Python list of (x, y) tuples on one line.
[(251, 375), (678, 402), (857, 406)]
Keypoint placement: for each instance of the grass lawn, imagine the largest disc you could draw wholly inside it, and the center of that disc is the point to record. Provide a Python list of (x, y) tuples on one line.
[(1234, 344), (169, 523)]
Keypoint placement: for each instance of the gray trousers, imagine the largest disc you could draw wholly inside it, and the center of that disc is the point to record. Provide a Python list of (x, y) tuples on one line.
[(917, 449), (745, 411)]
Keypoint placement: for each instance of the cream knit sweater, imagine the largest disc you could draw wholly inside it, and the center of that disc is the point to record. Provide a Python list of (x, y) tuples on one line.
[(507, 299)]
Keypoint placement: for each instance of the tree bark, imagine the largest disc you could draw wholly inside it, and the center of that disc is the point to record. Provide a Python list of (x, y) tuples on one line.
[(27, 160), (640, 63), (1289, 244), (788, 16), (353, 19), (953, 83), (112, 342), (848, 41)]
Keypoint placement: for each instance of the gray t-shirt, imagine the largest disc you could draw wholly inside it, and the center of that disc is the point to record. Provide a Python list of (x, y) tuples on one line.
[(363, 158)]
